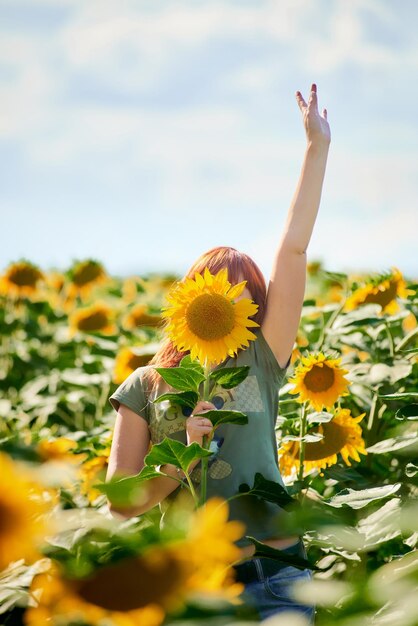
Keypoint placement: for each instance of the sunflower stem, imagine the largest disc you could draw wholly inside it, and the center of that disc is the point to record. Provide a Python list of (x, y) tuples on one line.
[(406, 339), (302, 444), (329, 323), (204, 462), (391, 344)]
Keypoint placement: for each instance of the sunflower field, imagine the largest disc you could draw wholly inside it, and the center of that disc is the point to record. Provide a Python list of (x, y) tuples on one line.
[(346, 438)]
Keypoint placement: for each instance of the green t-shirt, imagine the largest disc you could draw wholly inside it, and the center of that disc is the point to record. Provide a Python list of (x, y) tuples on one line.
[(239, 451)]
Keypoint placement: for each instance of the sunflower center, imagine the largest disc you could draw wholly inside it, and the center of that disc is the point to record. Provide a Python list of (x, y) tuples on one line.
[(87, 273), (335, 438), (383, 297), (319, 378), (130, 584), (24, 277), (95, 321), (210, 316), (8, 519)]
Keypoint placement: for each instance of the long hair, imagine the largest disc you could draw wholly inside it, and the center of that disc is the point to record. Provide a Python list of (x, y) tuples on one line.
[(215, 259)]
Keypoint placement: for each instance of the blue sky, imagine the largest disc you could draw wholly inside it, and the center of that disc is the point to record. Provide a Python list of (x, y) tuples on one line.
[(143, 133)]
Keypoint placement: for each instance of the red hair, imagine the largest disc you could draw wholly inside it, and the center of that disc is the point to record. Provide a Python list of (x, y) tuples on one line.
[(215, 259)]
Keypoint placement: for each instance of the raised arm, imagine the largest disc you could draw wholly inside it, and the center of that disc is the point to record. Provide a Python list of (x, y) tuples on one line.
[(286, 288)]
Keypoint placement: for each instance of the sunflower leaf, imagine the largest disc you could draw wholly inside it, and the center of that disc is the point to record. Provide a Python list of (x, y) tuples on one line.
[(319, 416), (181, 378), (269, 490), (176, 453), (183, 398), (230, 377), (411, 470), (126, 491), (218, 417), (394, 443), (189, 364), (264, 550), (408, 412), (399, 396), (357, 499)]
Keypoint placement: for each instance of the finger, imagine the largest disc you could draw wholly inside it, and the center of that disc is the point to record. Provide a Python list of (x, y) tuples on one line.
[(313, 97), (300, 100)]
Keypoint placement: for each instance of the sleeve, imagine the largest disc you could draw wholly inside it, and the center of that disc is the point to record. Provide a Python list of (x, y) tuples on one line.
[(266, 359), (131, 393)]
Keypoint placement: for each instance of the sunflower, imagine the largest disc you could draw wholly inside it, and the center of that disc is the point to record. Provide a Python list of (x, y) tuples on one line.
[(210, 549), (95, 318), (314, 267), (409, 322), (85, 274), (319, 380), (21, 279), (23, 511), (383, 290), (130, 288), (55, 281), (204, 318), (361, 355), (59, 449), (342, 435), (334, 293), (141, 589), (128, 359), (139, 316), (91, 472)]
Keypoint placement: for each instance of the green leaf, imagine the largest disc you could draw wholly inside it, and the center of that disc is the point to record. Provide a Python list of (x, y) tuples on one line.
[(319, 417), (181, 378), (381, 525), (176, 453), (358, 499), (183, 398), (394, 443), (127, 491), (268, 490), (187, 363), (263, 550), (411, 470), (408, 412), (229, 377), (218, 417), (399, 396)]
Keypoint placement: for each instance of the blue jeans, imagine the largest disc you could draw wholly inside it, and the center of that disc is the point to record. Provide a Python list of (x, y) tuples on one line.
[(270, 592)]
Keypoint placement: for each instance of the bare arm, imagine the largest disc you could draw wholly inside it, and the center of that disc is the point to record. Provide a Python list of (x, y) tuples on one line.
[(286, 288), (130, 445)]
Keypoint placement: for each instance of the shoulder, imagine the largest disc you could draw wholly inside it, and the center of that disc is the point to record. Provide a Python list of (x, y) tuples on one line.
[(264, 359)]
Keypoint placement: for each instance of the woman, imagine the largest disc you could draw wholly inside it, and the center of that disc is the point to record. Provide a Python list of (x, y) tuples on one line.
[(238, 454)]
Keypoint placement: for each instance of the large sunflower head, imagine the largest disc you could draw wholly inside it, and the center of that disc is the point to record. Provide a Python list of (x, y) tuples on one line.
[(205, 316), (342, 435), (141, 589), (382, 289), (21, 279), (320, 380)]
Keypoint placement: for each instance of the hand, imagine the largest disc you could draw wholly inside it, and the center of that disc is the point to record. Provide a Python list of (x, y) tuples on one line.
[(197, 427), (316, 125)]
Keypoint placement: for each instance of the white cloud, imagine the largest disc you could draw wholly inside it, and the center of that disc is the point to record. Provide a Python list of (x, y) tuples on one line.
[(222, 153)]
